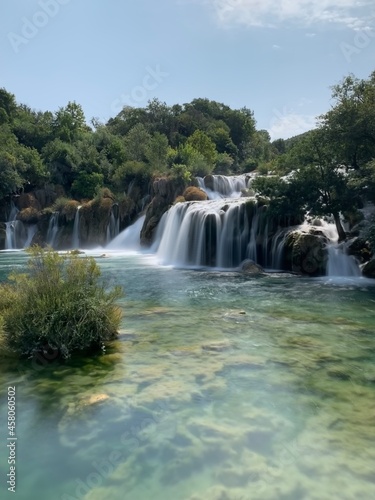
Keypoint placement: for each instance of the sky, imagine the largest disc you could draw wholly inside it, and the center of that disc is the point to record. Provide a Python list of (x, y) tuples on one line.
[(279, 58)]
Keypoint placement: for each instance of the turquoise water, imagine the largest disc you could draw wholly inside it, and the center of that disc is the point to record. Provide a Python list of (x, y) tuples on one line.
[(220, 387)]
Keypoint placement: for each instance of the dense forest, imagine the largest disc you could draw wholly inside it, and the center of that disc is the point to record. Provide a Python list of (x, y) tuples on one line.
[(327, 171)]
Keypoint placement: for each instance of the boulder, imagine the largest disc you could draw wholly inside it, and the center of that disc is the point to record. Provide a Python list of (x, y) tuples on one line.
[(195, 194), (306, 253), (369, 269), (360, 249), (249, 267)]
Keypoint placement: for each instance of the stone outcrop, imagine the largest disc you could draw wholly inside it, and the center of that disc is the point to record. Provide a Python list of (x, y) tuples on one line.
[(165, 191)]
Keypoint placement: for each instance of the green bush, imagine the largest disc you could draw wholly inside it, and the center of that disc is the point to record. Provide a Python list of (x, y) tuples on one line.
[(60, 304)]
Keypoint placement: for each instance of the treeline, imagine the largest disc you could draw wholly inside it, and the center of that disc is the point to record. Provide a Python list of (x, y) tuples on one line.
[(59, 148), (329, 170)]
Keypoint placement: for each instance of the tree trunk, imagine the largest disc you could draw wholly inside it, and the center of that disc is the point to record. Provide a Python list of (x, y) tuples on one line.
[(340, 229)]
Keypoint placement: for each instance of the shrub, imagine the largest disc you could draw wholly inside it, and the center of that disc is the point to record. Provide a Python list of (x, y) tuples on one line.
[(59, 304)]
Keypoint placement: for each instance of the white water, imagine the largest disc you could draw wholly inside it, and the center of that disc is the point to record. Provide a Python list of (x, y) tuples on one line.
[(224, 187), (209, 233), (113, 228), (75, 240), (11, 228), (339, 264), (18, 235), (53, 229), (129, 239)]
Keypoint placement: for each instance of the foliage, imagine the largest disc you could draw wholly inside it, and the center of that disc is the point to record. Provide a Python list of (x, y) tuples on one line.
[(87, 184), (181, 171), (60, 303)]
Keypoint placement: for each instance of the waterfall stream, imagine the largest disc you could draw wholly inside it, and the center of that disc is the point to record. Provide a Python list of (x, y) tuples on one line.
[(53, 229), (75, 240), (129, 239)]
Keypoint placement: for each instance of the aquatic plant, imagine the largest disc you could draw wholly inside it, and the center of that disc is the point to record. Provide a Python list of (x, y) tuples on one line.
[(59, 303)]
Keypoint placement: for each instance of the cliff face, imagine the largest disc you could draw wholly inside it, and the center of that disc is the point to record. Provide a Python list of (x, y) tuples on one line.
[(164, 192)]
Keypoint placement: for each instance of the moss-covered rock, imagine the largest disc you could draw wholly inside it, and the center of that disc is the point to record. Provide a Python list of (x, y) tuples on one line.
[(94, 218), (28, 215), (165, 191), (306, 253), (195, 194)]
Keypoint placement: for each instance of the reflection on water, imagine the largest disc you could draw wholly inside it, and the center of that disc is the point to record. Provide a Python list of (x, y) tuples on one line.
[(220, 387)]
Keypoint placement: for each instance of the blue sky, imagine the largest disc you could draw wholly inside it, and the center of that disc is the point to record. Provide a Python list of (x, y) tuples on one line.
[(277, 57)]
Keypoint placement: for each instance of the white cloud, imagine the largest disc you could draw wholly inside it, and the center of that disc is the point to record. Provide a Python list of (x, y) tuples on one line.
[(276, 47), (285, 125), (353, 14)]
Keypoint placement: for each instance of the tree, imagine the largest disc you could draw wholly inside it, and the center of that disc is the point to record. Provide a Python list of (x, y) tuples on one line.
[(137, 142), (203, 145), (350, 124), (157, 152), (320, 183), (69, 122)]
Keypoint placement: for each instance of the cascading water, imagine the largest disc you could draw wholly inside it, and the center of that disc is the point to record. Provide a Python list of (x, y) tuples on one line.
[(11, 228), (53, 229), (129, 239), (113, 228), (221, 186), (75, 240), (217, 233), (340, 264)]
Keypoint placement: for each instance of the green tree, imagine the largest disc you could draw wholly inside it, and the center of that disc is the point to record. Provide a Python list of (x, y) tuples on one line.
[(157, 152), (204, 145), (87, 184), (69, 122), (350, 124), (137, 142)]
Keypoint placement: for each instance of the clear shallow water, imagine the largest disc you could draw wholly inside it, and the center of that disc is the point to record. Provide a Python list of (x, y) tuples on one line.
[(220, 387)]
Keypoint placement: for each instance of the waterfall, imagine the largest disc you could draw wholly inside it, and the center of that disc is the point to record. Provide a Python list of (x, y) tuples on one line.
[(221, 186), (75, 241), (53, 228), (30, 233), (113, 227), (340, 263), (11, 228), (216, 233), (129, 239)]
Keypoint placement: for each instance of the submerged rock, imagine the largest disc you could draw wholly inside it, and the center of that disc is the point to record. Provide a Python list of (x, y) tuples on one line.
[(249, 267)]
